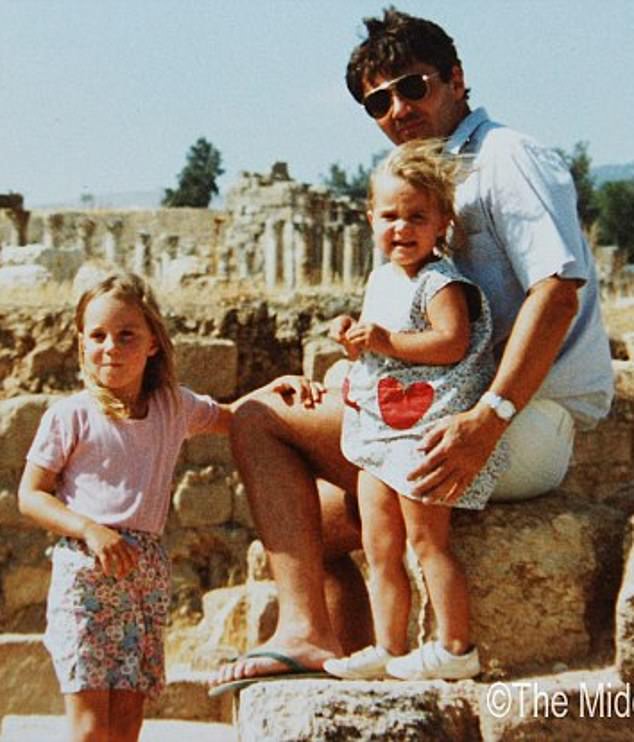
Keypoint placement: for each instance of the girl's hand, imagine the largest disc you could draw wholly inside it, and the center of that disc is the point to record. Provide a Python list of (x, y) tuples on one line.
[(339, 326), (368, 337), (116, 555), (308, 392)]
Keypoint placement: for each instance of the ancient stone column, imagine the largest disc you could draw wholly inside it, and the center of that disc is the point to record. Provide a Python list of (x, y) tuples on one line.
[(112, 248), (271, 250), (351, 235), (19, 219), (302, 231), (168, 252), (53, 225), (142, 261), (288, 254), (332, 235), (85, 233)]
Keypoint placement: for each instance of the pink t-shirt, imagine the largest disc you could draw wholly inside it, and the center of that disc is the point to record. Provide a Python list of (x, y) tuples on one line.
[(118, 472)]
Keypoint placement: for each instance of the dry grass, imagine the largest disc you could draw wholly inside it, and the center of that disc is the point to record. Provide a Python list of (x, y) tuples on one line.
[(203, 293)]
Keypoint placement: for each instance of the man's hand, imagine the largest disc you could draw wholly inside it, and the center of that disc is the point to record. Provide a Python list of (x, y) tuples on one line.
[(308, 392), (455, 449), (116, 555)]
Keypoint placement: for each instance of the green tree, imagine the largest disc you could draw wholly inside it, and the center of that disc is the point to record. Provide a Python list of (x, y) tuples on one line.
[(578, 162), (354, 185), (616, 218), (197, 180)]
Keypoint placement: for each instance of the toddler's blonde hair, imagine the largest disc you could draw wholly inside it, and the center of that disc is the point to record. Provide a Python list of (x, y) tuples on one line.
[(424, 165), (159, 369)]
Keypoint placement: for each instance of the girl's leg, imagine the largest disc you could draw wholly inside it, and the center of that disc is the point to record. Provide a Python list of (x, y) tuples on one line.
[(428, 533), (126, 715), (383, 537), (88, 715)]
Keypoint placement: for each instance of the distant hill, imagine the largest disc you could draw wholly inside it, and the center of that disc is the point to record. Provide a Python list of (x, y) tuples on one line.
[(125, 200), (607, 173)]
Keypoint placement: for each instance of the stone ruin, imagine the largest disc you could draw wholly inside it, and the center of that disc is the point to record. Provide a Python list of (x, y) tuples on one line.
[(292, 233), (273, 231)]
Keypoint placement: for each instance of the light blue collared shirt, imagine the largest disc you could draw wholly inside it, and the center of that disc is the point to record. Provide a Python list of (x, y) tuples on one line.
[(518, 206)]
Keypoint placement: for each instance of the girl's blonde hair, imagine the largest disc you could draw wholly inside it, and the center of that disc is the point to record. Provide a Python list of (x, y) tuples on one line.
[(424, 165), (160, 369)]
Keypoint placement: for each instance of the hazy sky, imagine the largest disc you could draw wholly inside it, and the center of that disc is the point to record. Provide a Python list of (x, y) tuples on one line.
[(101, 96)]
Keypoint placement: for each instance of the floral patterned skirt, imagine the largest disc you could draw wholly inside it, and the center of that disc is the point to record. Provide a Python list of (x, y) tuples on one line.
[(105, 633)]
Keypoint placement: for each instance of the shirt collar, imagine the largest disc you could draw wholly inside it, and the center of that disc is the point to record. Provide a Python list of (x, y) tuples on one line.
[(465, 130)]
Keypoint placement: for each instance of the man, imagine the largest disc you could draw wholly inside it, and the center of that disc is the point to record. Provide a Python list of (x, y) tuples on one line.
[(526, 250)]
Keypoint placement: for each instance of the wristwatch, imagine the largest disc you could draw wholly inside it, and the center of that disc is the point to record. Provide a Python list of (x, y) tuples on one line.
[(503, 408)]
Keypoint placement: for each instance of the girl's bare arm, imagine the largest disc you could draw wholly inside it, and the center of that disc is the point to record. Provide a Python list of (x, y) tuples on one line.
[(446, 342), (37, 501)]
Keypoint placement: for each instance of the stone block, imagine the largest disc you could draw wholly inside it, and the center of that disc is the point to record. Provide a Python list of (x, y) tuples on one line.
[(307, 710), (9, 513), (203, 498), (241, 508), (27, 678), (628, 340), (19, 418), (25, 585), (543, 578), (603, 458), (584, 705), (624, 630), (208, 449), (207, 366), (319, 355), (186, 696), (624, 378), (258, 567)]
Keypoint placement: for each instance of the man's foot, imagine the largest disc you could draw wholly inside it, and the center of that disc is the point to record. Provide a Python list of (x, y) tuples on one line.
[(433, 662), (366, 664), (266, 664)]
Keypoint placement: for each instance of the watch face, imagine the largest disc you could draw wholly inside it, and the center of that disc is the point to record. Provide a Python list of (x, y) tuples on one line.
[(506, 409)]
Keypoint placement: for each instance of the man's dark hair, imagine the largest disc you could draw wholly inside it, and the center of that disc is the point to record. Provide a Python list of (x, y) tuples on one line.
[(396, 42)]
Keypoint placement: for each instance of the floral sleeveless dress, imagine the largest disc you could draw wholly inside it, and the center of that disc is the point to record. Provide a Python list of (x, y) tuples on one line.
[(390, 404)]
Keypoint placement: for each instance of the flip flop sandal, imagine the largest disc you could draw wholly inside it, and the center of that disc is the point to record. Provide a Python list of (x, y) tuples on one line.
[(295, 670)]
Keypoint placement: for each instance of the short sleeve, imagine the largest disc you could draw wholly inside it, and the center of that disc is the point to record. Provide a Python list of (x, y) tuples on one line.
[(200, 411), (54, 440), (531, 200)]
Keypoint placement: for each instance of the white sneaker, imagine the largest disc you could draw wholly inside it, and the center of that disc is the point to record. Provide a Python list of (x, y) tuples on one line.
[(433, 662), (366, 664)]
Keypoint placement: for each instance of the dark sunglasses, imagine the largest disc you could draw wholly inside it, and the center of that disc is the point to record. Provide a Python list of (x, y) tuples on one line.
[(411, 87)]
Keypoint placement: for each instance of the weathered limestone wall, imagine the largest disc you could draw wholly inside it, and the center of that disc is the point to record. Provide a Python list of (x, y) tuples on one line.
[(274, 231)]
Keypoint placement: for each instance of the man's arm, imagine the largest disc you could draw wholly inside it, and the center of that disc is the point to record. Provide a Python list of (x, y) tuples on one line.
[(458, 447)]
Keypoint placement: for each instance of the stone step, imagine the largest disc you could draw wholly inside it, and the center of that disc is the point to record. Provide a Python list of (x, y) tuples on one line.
[(543, 581), (29, 686), (17, 728), (583, 705)]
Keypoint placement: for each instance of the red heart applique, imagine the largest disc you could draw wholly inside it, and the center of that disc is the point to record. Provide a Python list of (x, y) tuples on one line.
[(401, 407)]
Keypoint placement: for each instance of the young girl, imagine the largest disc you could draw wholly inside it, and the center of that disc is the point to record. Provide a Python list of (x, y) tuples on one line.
[(423, 349), (99, 473)]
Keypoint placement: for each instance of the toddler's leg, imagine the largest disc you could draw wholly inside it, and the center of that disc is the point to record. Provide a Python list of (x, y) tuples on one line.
[(88, 713), (126, 715), (428, 533), (383, 537)]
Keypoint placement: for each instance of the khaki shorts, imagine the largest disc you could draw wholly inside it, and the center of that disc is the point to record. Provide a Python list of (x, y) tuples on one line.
[(540, 441)]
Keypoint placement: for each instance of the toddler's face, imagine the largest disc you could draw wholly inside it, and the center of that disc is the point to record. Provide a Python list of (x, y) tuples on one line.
[(406, 222), (116, 343)]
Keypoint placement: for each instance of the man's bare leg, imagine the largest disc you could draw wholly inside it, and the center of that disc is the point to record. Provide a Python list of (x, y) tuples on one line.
[(280, 447), (346, 592)]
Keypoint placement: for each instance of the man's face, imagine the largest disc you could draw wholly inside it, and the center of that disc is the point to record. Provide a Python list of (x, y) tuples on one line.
[(435, 115)]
